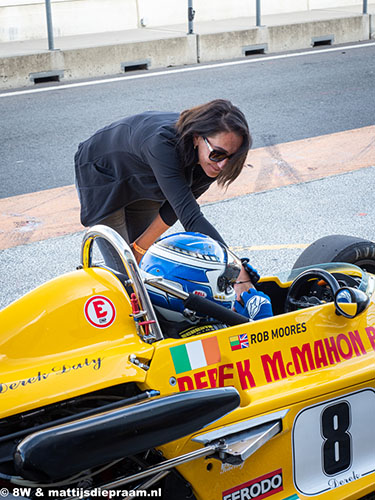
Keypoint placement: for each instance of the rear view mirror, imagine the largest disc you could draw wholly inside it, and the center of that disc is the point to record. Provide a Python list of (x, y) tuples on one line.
[(350, 302)]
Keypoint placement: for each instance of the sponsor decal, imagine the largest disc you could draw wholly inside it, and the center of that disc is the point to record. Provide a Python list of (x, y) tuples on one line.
[(94, 363), (100, 311), (318, 354), (201, 293), (261, 487), (228, 467), (277, 333), (239, 342), (286, 331), (269, 367), (198, 330), (197, 354), (220, 376)]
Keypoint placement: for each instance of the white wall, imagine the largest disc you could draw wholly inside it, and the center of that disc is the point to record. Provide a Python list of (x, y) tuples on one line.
[(69, 17), (206, 10), (327, 4), (161, 12), (26, 19)]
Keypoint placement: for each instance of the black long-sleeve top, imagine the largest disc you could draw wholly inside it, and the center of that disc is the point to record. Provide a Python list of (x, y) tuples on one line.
[(136, 158)]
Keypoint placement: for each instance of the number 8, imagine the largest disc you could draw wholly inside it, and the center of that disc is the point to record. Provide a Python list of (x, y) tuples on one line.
[(335, 422)]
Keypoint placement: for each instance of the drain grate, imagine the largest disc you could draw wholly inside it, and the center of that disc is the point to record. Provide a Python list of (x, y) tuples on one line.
[(319, 41), (135, 65), (47, 76), (252, 50)]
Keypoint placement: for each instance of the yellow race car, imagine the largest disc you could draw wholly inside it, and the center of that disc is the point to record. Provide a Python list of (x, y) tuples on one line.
[(97, 401)]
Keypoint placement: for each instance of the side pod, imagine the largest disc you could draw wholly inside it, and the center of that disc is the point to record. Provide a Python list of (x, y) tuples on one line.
[(64, 450)]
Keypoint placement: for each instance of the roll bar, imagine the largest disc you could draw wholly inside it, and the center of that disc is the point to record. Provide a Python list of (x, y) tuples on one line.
[(132, 270)]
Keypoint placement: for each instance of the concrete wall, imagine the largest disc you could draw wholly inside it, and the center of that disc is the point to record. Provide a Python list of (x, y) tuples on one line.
[(19, 71), (232, 45), (26, 19)]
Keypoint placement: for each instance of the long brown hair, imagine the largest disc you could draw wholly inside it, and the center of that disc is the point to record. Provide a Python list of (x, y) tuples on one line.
[(210, 119)]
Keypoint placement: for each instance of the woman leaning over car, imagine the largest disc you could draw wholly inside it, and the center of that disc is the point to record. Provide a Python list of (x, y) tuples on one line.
[(142, 173)]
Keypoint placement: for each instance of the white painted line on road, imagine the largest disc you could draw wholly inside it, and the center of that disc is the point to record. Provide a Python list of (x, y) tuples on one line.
[(286, 246), (185, 70)]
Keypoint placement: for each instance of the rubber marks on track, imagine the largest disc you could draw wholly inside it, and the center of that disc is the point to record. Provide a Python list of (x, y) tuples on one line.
[(301, 161), (38, 216), (55, 212)]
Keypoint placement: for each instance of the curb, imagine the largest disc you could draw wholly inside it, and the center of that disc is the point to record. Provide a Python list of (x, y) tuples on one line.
[(105, 60)]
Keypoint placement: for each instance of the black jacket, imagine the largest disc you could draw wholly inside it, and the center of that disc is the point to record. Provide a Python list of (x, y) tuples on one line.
[(135, 159)]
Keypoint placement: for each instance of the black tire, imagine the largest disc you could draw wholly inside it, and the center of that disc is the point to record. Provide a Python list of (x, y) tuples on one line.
[(339, 248)]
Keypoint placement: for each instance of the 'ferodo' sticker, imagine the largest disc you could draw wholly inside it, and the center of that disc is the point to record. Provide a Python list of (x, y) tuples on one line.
[(100, 311), (259, 488)]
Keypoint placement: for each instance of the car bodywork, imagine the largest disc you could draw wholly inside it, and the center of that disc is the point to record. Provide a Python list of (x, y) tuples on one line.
[(283, 407)]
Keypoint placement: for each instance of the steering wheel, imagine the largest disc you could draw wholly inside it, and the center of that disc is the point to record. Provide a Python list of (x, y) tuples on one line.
[(294, 300)]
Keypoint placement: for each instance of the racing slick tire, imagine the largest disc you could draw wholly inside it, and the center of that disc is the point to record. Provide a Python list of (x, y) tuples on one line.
[(339, 248)]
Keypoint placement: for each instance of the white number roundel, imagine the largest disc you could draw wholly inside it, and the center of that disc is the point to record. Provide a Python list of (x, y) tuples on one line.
[(100, 311), (333, 443)]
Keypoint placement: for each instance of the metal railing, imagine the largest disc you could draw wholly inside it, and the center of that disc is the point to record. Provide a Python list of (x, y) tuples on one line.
[(51, 45), (257, 13), (191, 14)]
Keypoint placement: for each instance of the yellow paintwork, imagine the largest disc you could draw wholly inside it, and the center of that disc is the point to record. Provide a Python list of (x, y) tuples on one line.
[(274, 455), (267, 392), (50, 351)]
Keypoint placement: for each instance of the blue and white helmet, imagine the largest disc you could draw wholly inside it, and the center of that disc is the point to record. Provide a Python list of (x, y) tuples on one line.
[(194, 263)]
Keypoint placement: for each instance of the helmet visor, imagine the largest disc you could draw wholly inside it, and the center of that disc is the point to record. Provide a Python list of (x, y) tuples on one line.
[(232, 270)]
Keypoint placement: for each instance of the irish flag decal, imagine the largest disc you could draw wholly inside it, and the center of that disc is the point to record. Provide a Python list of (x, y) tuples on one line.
[(195, 355)]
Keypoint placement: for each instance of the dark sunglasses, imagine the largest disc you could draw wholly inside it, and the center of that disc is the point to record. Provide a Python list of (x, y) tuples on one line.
[(215, 154)]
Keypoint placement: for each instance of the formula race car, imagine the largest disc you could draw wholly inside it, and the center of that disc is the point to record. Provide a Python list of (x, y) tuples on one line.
[(97, 401)]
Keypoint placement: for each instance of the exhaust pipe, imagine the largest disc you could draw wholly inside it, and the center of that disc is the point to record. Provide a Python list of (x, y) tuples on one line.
[(67, 449)]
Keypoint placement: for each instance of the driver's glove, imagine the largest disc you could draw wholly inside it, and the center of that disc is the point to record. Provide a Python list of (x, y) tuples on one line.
[(256, 305), (251, 271)]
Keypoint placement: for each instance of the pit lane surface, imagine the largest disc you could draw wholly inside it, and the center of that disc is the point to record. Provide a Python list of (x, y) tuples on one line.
[(285, 97), (270, 227), (55, 212), (310, 119)]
